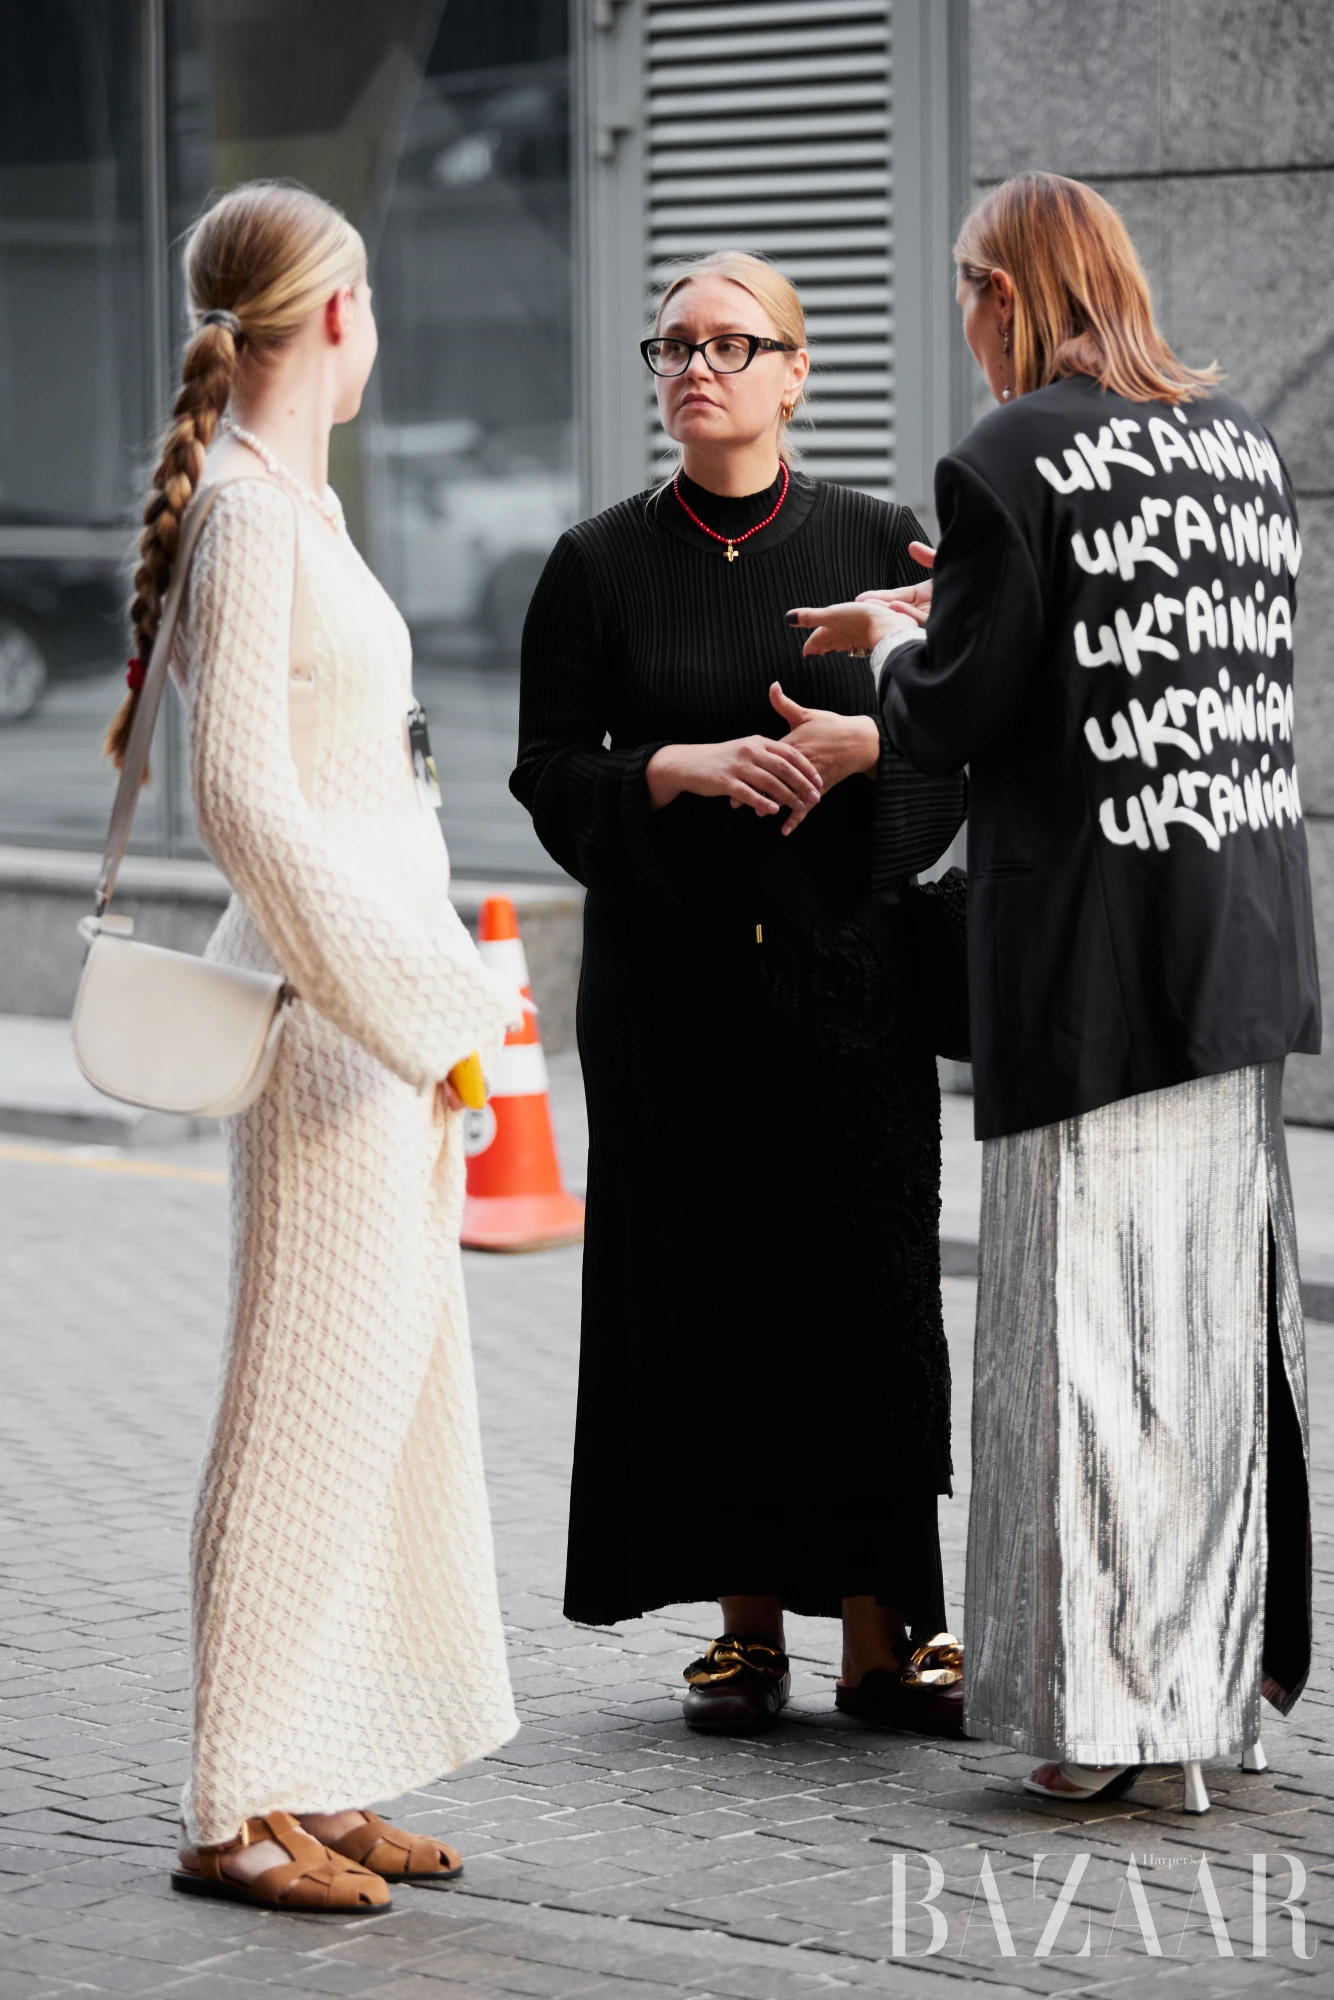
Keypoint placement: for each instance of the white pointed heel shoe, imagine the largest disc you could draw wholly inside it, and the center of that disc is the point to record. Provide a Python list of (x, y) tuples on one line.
[(1084, 1782), (1253, 1757), (1194, 1796)]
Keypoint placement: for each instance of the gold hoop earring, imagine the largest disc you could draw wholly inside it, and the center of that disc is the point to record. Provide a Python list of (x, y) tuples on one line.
[(785, 411)]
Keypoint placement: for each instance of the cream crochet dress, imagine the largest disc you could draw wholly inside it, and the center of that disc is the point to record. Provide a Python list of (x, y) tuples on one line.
[(347, 1637)]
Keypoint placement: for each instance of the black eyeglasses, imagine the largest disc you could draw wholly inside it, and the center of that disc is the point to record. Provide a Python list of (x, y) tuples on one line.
[(724, 353)]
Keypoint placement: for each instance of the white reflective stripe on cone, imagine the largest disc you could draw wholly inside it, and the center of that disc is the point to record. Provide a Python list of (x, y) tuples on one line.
[(520, 1070), (479, 1129), (505, 956)]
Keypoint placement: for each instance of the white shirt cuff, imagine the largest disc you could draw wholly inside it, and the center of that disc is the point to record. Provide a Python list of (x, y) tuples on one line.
[(892, 643)]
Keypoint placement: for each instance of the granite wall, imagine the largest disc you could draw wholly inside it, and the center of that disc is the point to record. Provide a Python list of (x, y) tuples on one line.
[(1210, 125)]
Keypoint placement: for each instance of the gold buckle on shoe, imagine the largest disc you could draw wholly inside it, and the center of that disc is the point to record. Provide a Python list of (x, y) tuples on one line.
[(939, 1663), (727, 1657), (232, 1846)]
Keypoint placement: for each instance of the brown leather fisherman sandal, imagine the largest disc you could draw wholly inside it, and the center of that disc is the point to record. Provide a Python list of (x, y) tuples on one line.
[(314, 1879), (396, 1856), (738, 1688)]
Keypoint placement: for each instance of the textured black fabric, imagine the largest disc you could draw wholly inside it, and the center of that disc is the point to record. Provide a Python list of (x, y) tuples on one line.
[(764, 1383), (936, 916), (1110, 651), (1286, 1657)]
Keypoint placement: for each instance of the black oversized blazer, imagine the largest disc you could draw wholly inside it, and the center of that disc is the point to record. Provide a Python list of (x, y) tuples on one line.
[(1109, 651)]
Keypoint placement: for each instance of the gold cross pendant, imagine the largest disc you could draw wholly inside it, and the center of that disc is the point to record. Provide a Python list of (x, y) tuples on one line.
[(731, 553)]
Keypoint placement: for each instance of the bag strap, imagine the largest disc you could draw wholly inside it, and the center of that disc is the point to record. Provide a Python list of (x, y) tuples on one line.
[(135, 767)]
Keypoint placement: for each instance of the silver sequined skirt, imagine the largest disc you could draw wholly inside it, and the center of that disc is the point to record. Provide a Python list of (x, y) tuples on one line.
[(1117, 1535)]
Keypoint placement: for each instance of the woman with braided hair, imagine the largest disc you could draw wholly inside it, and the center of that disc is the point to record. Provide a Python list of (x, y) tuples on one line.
[(347, 1639)]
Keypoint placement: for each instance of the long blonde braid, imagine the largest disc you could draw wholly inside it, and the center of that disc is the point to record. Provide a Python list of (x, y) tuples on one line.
[(257, 264)]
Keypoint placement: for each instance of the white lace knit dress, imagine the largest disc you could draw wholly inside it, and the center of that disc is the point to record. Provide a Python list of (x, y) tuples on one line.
[(347, 1638)]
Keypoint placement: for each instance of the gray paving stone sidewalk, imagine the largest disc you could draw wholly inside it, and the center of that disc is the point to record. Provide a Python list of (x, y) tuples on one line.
[(608, 1852)]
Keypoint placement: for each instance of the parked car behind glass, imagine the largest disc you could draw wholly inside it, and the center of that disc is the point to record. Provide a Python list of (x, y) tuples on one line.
[(59, 620)]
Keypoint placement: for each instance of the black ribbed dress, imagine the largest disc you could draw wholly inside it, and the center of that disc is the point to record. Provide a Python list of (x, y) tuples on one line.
[(764, 1391)]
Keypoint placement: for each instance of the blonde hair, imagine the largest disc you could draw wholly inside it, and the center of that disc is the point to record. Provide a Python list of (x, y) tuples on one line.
[(268, 253), (769, 288), (1081, 299)]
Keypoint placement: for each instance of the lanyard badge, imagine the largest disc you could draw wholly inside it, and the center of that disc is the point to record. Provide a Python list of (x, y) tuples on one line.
[(423, 763)]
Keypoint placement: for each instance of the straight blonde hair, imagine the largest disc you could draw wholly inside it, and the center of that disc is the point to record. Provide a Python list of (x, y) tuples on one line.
[(270, 253), (1081, 299), (777, 295)]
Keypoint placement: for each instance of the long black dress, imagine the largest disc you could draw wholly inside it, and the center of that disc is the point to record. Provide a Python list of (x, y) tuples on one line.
[(764, 1392)]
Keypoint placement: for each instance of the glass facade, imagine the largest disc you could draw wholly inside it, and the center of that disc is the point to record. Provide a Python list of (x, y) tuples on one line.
[(468, 438), (73, 291), (443, 131)]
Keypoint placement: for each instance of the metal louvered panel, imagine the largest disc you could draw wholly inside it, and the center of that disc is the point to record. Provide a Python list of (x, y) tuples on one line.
[(767, 128)]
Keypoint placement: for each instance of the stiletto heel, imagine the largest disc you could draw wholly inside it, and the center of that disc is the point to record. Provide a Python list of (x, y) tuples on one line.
[(1195, 1798), (1253, 1757)]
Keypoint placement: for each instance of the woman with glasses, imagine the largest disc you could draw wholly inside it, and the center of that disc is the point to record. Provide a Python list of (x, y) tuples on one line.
[(764, 1389)]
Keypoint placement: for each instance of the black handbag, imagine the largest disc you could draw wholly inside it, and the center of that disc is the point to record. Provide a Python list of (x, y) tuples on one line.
[(936, 916)]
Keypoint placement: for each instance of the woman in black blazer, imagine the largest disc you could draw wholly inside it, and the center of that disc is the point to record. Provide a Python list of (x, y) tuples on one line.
[(1108, 647)]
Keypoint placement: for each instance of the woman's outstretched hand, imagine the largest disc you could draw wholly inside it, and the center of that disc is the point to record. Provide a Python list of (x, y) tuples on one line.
[(839, 746), (751, 771), (844, 628), (859, 627), (822, 747), (912, 598)]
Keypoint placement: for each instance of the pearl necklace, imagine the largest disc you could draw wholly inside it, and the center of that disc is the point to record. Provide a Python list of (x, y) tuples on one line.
[(330, 507)]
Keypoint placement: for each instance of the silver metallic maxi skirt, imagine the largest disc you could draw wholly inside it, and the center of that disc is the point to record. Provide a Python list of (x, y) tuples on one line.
[(1117, 1544)]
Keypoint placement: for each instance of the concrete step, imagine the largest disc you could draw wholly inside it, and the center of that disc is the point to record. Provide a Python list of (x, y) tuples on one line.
[(177, 903), (44, 1095)]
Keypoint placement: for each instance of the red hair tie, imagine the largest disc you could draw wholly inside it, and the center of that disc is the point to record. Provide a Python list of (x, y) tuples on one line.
[(134, 676)]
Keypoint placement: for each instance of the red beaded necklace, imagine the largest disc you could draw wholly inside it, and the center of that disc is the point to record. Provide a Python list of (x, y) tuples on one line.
[(732, 541)]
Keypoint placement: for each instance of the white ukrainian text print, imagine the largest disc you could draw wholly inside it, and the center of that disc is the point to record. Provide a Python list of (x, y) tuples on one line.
[(1194, 578)]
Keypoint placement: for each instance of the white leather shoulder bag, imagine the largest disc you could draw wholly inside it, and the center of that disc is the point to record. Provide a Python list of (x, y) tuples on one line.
[(164, 1029)]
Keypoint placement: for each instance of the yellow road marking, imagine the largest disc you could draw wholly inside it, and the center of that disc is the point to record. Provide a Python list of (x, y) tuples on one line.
[(153, 1170)]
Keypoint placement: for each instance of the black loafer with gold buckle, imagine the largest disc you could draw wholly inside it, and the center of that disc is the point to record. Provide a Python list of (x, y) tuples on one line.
[(738, 1687), (924, 1695)]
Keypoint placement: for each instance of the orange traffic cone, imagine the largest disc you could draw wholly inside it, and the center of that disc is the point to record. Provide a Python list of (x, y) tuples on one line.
[(516, 1198)]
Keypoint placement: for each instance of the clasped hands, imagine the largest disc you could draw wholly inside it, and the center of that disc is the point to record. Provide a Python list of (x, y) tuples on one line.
[(822, 747)]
